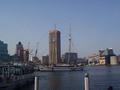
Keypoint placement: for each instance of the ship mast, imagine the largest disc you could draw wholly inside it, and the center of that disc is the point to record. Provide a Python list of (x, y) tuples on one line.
[(70, 39)]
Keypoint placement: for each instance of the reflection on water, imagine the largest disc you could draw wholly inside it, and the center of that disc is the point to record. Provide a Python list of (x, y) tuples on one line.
[(54, 80), (62, 81), (101, 78)]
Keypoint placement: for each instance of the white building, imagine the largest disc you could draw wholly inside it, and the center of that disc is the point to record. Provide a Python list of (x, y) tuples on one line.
[(113, 60)]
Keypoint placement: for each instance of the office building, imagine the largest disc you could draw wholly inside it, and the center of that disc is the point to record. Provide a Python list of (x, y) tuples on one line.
[(26, 56), (45, 60), (54, 47), (20, 52), (104, 56), (70, 58), (3, 51)]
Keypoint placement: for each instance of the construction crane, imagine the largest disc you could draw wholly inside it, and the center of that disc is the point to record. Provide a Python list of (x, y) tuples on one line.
[(36, 51), (35, 58), (30, 52)]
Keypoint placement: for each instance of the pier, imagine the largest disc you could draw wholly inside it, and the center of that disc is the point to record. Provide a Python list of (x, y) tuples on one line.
[(13, 76)]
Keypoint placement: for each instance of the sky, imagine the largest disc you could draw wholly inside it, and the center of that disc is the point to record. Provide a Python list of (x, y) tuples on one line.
[(95, 24)]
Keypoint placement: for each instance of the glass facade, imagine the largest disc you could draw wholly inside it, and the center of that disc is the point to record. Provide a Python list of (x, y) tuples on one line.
[(3, 51)]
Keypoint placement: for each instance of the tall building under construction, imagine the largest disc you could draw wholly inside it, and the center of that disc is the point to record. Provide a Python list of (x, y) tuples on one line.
[(54, 47)]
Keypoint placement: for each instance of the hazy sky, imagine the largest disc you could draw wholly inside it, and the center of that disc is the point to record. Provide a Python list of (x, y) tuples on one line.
[(95, 24)]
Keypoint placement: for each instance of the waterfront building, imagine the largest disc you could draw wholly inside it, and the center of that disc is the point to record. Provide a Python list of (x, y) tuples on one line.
[(45, 60), (82, 61), (108, 52), (102, 60), (113, 60), (26, 56), (70, 58), (54, 47), (104, 56), (93, 59), (101, 53), (118, 59), (3, 51), (20, 51)]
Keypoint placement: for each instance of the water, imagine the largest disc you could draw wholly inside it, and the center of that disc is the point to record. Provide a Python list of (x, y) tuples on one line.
[(101, 77)]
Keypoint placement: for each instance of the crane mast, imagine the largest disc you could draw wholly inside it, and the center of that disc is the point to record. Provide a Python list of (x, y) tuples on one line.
[(36, 51)]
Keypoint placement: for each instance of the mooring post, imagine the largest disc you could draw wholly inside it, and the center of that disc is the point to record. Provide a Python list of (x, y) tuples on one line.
[(86, 81), (110, 88), (36, 83)]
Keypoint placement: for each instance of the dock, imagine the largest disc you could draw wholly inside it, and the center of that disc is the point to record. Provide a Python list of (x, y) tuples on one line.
[(13, 76)]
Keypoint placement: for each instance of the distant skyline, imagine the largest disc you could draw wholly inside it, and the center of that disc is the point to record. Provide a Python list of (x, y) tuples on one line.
[(95, 24)]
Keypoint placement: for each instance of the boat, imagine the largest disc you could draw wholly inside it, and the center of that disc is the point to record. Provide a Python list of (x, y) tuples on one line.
[(61, 68)]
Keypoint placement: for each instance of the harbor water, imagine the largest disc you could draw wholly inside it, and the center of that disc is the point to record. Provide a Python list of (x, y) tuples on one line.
[(101, 77)]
